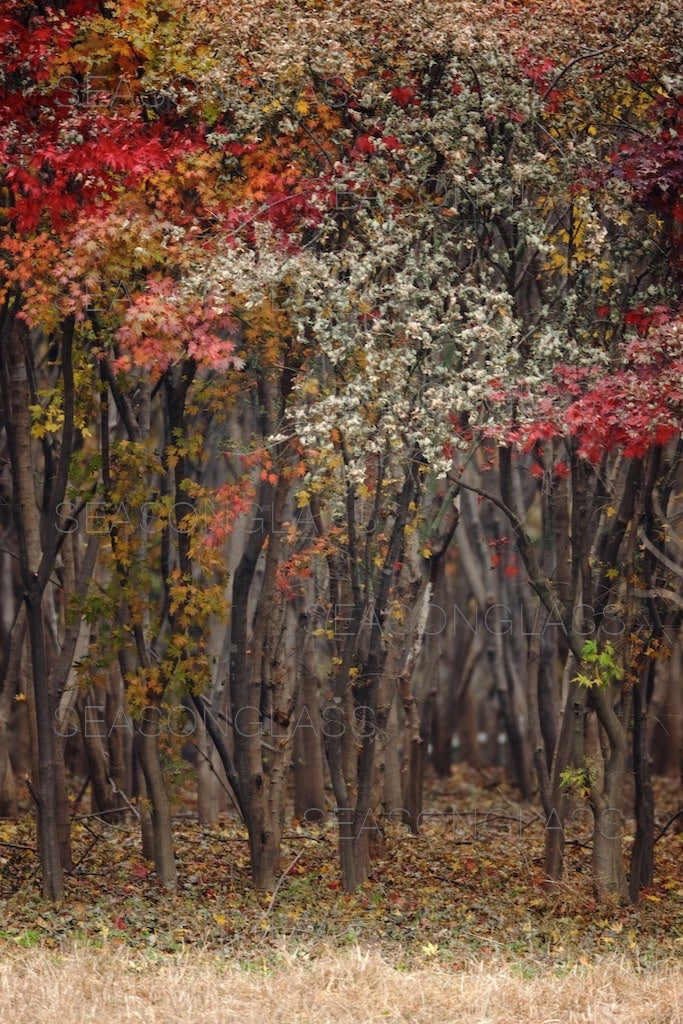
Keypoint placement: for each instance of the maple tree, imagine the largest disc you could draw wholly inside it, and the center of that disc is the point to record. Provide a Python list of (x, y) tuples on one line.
[(636, 415), (70, 169)]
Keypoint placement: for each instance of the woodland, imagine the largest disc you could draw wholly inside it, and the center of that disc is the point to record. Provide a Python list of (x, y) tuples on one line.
[(341, 489)]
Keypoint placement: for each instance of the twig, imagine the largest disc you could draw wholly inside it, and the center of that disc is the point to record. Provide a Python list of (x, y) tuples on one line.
[(120, 792), (280, 881), (226, 789), (96, 837), (32, 791), (671, 820), (102, 815), (83, 856), (81, 794)]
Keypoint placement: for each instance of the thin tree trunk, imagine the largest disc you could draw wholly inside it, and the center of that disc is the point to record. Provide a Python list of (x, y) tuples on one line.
[(208, 780), (48, 819), (120, 736), (417, 762), (143, 805), (609, 875), (568, 753), (308, 759), (147, 747), (10, 681), (392, 793), (107, 801), (642, 854), (36, 563), (538, 748), (8, 790)]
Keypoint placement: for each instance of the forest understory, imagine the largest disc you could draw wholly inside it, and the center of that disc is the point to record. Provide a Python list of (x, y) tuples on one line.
[(469, 887)]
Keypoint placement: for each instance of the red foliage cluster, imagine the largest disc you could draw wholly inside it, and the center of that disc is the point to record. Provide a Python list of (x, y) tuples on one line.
[(632, 407), (63, 158), (541, 71), (654, 166)]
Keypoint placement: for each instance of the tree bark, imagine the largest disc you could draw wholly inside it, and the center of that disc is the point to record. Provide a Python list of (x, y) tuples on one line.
[(208, 780), (10, 679), (37, 552), (147, 750), (107, 800), (308, 762), (8, 790), (642, 854), (609, 875)]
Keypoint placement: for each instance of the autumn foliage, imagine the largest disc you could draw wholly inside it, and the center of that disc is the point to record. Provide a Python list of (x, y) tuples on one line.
[(291, 290)]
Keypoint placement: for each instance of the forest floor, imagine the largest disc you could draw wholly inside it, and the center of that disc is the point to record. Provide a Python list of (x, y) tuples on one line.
[(453, 925)]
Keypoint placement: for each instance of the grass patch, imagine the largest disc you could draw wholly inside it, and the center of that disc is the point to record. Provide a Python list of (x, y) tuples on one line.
[(356, 987)]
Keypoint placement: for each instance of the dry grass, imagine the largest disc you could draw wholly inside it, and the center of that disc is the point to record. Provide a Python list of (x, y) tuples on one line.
[(37, 987)]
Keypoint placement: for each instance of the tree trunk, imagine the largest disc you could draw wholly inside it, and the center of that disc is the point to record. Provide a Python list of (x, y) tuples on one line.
[(10, 678), (147, 747), (308, 759), (107, 801), (417, 762), (120, 736), (47, 802), (139, 793), (354, 850), (392, 793), (8, 791), (208, 779), (245, 685), (609, 876), (265, 822), (568, 753), (642, 853), (665, 724), (63, 808), (16, 397)]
